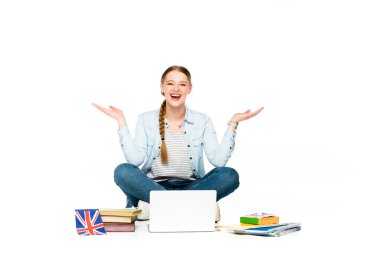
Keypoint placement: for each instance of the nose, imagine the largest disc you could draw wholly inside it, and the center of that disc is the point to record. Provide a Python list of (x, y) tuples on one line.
[(176, 87)]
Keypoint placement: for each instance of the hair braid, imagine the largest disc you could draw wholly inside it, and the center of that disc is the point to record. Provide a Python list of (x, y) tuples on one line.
[(161, 120)]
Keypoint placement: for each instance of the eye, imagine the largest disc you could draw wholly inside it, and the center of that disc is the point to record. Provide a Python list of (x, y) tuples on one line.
[(169, 84), (183, 84)]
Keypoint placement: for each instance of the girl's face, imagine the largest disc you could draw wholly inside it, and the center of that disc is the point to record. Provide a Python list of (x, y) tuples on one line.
[(175, 87)]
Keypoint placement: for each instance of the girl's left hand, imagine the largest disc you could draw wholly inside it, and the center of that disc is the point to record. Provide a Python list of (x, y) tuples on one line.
[(245, 115)]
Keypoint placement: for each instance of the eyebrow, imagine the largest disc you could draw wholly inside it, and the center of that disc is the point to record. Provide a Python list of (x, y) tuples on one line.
[(179, 81)]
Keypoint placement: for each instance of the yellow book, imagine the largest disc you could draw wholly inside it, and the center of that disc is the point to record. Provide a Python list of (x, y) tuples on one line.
[(119, 212), (119, 219)]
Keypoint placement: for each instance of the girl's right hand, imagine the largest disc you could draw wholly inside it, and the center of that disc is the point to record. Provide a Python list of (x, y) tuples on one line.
[(113, 112)]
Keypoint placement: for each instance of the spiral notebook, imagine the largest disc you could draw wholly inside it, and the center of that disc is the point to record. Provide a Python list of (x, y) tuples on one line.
[(272, 230)]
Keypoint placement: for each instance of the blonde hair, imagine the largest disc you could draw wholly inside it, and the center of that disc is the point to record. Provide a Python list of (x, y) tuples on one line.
[(161, 118)]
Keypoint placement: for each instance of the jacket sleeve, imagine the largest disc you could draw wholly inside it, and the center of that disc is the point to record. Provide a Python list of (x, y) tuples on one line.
[(134, 149), (218, 154)]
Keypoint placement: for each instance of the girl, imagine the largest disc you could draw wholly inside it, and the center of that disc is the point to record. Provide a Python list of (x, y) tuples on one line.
[(171, 141)]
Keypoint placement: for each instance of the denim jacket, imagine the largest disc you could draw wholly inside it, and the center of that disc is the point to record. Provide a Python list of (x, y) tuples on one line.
[(199, 135)]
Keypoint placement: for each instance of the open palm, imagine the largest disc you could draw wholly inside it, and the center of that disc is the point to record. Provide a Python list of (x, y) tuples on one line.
[(113, 112), (245, 115)]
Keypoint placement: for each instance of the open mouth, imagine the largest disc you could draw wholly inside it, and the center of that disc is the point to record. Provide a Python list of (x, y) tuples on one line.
[(175, 97)]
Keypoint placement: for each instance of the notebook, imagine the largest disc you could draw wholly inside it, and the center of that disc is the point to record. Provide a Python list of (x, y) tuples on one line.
[(270, 230), (182, 211)]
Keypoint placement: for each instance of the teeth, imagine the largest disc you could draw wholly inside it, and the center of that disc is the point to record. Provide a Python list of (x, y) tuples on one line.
[(176, 96)]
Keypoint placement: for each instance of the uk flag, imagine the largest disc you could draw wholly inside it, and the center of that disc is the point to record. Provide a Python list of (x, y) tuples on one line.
[(89, 222)]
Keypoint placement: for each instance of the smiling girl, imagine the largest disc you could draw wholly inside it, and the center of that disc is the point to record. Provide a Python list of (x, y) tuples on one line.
[(171, 141)]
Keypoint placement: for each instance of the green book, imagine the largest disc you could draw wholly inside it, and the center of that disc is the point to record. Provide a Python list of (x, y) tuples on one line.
[(259, 219)]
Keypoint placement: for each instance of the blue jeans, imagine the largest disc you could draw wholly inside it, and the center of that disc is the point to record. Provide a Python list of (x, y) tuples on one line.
[(137, 186)]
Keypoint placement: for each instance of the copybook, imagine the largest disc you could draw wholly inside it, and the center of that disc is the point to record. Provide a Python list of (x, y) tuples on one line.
[(274, 230)]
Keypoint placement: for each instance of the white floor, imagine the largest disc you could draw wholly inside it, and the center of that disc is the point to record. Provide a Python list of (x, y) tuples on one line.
[(337, 211), (334, 196), (328, 224)]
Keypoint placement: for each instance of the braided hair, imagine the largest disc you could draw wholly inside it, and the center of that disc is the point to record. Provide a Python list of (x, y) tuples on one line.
[(161, 120)]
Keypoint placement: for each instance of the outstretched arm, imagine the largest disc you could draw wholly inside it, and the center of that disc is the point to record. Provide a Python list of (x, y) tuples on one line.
[(237, 117), (113, 112), (134, 149), (219, 154)]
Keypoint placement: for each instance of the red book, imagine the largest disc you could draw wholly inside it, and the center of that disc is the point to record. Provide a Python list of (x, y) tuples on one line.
[(119, 227)]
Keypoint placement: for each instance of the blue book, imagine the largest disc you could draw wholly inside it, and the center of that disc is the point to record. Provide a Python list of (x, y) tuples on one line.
[(273, 230)]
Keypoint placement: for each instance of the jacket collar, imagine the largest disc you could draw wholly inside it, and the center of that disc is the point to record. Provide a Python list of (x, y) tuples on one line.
[(189, 116)]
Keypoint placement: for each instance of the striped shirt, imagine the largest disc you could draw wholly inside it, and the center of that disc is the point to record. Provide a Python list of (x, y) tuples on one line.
[(178, 166)]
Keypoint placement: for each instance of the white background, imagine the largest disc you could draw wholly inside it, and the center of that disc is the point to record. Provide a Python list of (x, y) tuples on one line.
[(311, 156)]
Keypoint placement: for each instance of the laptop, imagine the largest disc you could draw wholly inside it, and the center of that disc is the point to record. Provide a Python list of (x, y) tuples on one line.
[(182, 211)]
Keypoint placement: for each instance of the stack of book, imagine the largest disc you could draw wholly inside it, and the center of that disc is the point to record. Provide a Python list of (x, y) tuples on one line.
[(260, 219), (264, 224), (261, 224), (119, 220)]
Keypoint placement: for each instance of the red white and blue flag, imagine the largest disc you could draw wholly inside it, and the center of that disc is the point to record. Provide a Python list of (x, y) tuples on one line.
[(89, 222)]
